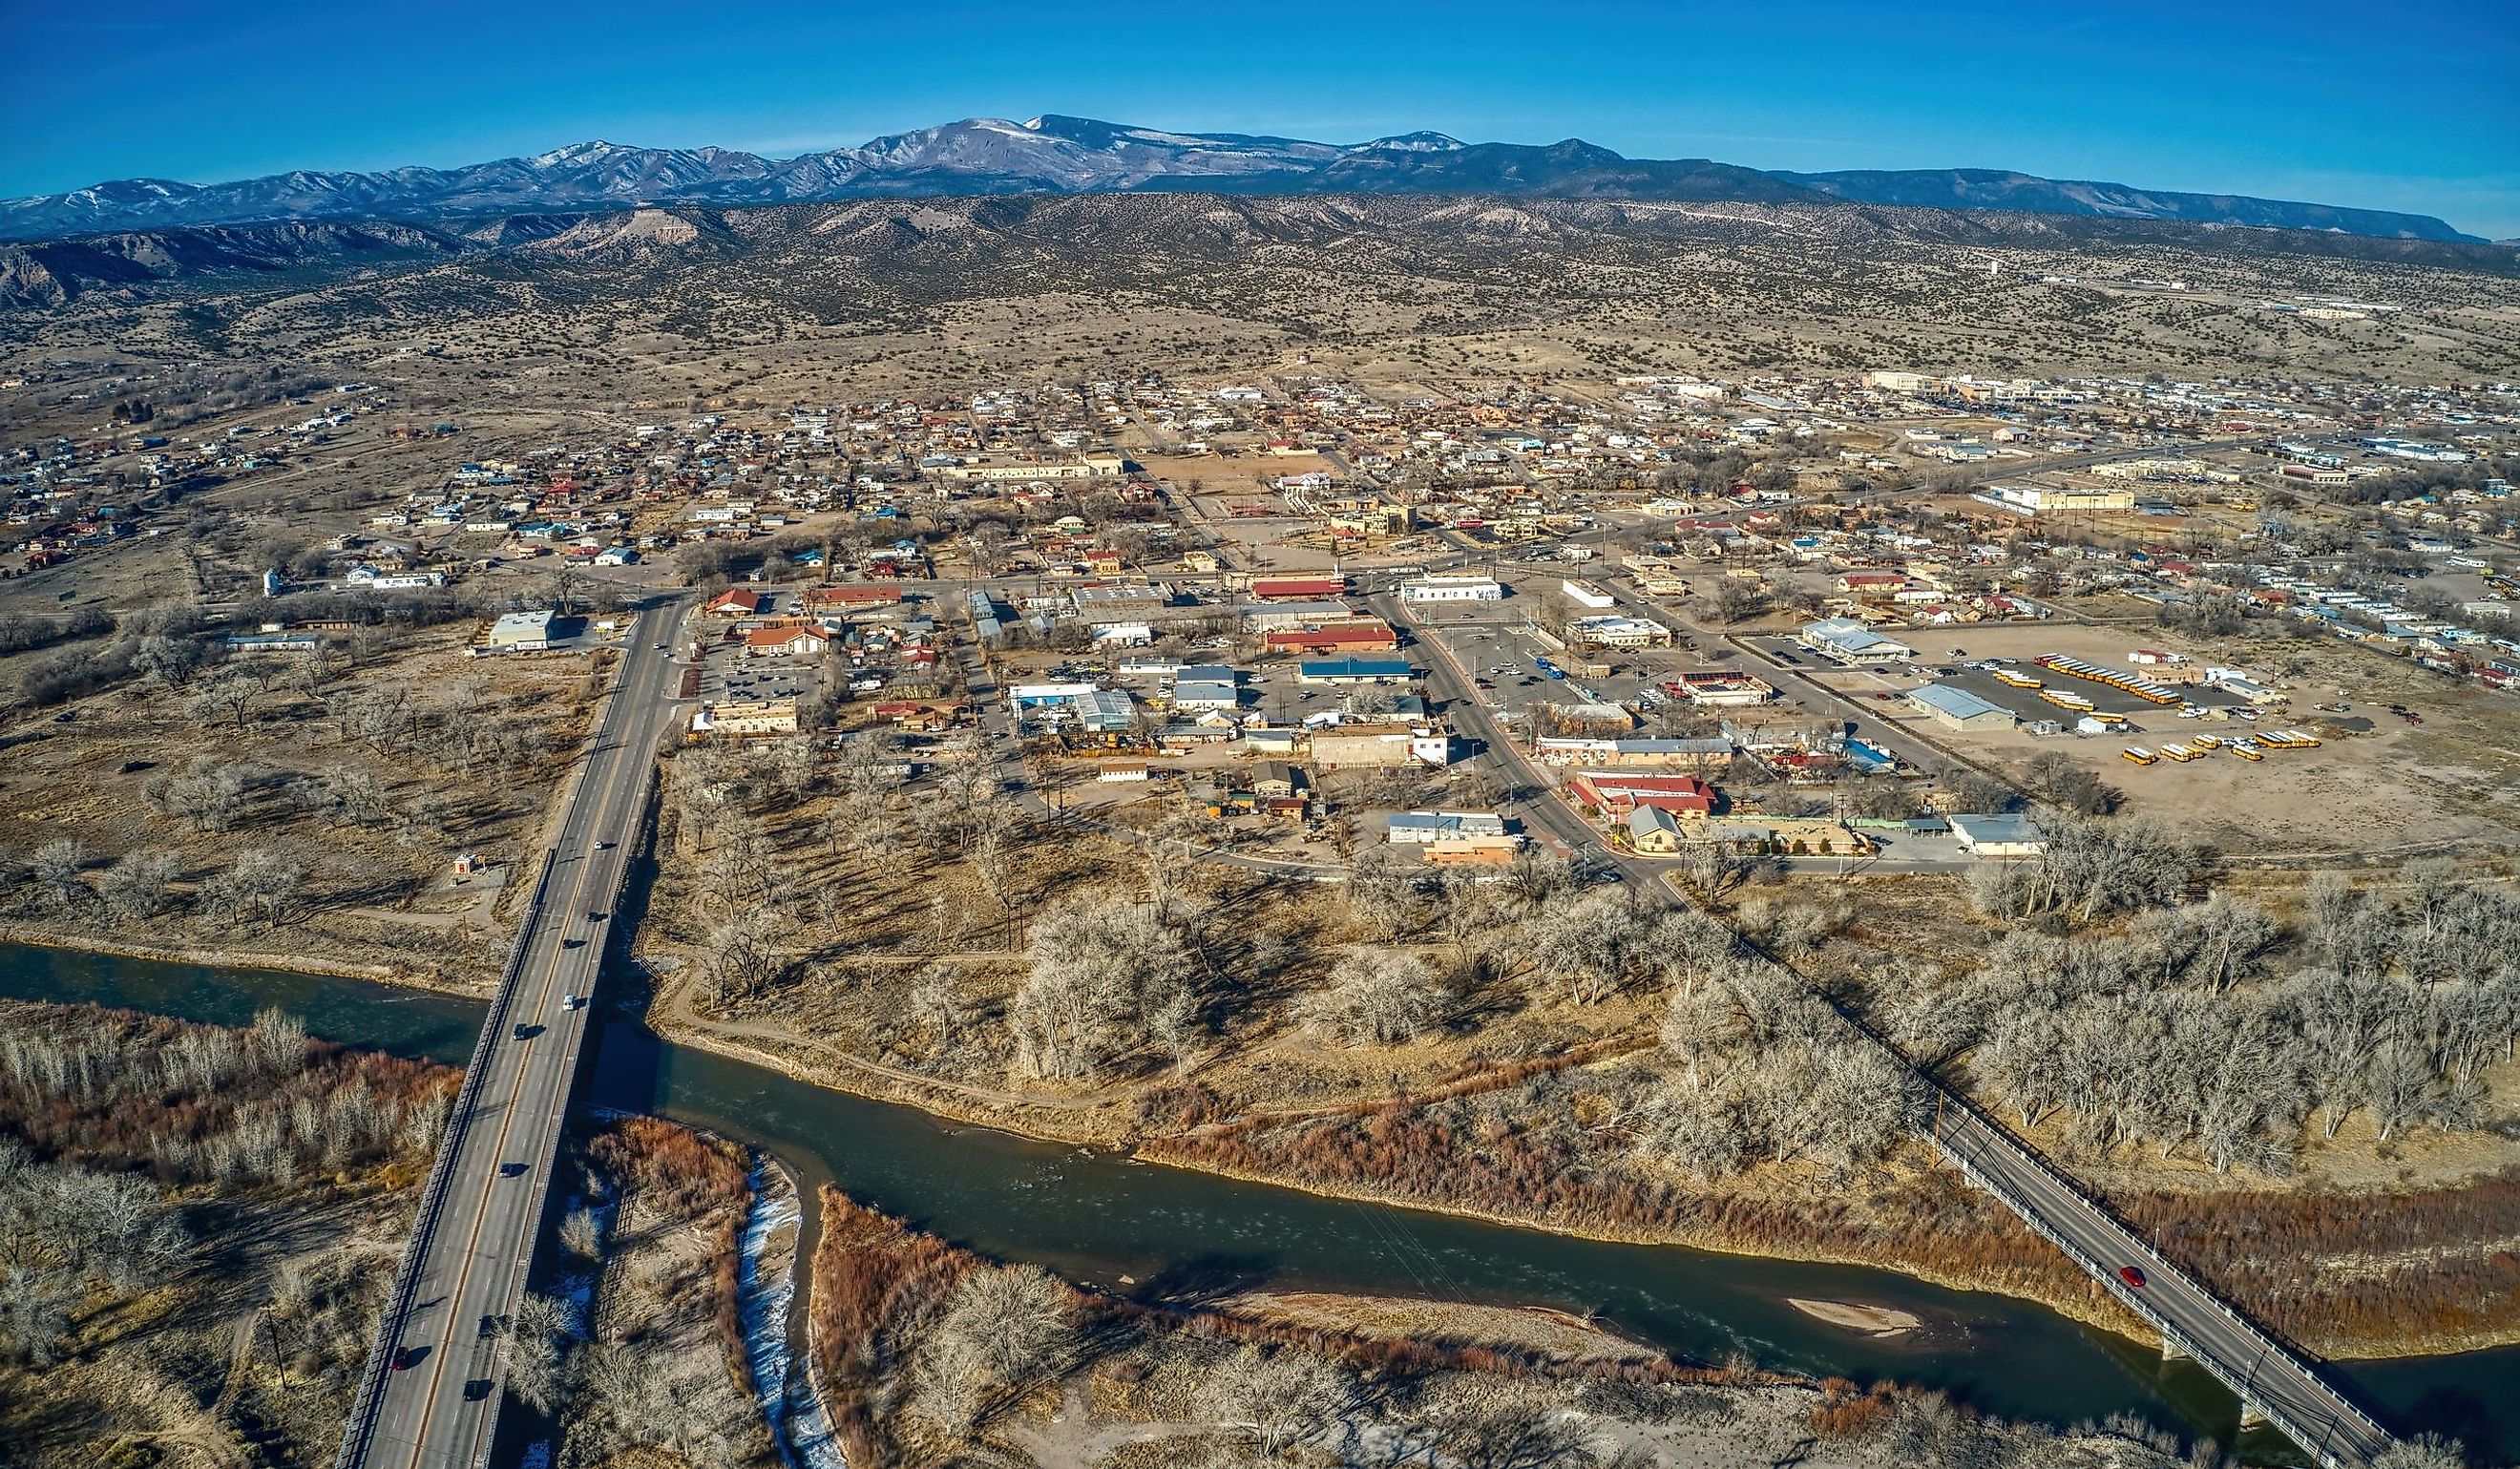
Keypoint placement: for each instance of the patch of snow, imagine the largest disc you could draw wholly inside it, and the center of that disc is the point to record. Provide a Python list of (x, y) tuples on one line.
[(796, 1421)]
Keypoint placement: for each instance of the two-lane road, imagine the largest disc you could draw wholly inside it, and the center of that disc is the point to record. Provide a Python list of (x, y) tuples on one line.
[(434, 1403), (2266, 1376)]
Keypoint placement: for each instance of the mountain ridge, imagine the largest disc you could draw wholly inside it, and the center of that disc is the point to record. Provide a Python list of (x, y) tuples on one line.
[(1055, 153)]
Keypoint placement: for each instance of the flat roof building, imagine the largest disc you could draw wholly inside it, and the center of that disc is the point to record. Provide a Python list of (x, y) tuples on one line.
[(2004, 834), (1422, 826), (522, 631), (1452, 587), (1354, 671)]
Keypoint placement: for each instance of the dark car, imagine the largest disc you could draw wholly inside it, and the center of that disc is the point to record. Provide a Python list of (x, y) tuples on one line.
[(512, 1170), (524, 1032), (572, 943), (476, 1389), (2131, 1274), (405, 1358), (595, 917), (490, 1324)]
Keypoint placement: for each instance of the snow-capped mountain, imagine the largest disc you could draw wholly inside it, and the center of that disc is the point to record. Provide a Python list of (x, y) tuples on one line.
[(1059, 155)]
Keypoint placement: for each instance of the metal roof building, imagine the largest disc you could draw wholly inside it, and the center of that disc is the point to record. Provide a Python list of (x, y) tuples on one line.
[(1960, 709)]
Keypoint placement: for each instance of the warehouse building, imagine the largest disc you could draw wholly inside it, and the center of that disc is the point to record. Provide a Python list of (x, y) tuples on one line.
[(1956, 708), (522, 631)]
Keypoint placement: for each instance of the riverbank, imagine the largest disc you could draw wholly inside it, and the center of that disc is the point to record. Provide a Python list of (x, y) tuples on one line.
[(84, 941), (199, 1221), (1099, 1215), (1092, 1378), (2031, 1276), (2027, 1274)]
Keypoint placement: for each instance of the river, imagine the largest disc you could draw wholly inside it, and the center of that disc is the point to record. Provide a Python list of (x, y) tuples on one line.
[(1101, 1218)]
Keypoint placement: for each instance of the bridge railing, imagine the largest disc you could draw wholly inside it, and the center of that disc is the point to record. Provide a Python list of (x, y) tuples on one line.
[(1981, 1133), (356, 1438), (547, 1156)]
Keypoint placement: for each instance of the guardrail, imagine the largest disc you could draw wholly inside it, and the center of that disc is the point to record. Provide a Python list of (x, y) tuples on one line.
[(356, 1438), (1982, 1127), (547, 1157), (1983, 1133)]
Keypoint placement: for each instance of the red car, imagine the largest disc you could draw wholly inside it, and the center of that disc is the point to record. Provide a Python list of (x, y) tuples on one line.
[(2131, 1275)]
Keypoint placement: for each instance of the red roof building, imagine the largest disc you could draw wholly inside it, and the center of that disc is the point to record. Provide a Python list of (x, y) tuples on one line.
[(1355, 634), (734, 602), (784, 641), (855, 597), (1615, 793), (1297, 587)]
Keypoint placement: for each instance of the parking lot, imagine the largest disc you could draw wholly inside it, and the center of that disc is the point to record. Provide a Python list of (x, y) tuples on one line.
[(1501, 653), (726, 674)]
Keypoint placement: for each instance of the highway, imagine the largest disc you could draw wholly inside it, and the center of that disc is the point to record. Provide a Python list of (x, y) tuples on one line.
[(2268, 1378), (431, 1393)]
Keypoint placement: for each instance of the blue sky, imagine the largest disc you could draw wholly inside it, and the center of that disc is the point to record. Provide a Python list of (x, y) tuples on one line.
[(2407, 107)]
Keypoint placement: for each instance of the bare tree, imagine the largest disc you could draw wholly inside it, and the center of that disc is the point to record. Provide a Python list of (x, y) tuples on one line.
[(998, 1328), (537, 1346), (57, 867), (137, 885), (1591, 945), (225, 696), (1375, 998), (1279, 1400), (209, 794), (1098, 970)]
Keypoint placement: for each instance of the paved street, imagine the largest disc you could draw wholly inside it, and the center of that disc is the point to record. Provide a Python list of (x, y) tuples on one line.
[(433, 1389), (2263, 1374)]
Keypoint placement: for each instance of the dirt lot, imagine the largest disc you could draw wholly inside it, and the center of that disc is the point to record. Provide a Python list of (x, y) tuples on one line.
[(367, 777), (2394, 786)]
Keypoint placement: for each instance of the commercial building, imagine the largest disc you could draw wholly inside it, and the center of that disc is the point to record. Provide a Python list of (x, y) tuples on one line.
[(1453, 586), (1346, 635), (1616, 793), (1956, 708), (1354, 671), (1375, 746), (1419, 828), (2000, 835), (521, 631), (785, 642), (745, 717), (1851, 642), (1721, 689), (1472, 852), (1205, 686), (1297, 587), (1275, 616), (2040, 499), (1707, 753), (1587, 596), (1614, 631), (1088, 466)]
